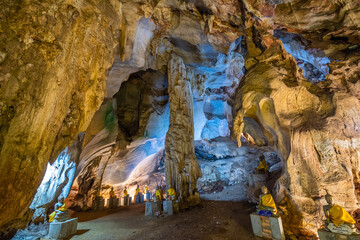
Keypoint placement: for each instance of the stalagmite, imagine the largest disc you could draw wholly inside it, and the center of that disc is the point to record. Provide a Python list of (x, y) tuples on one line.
[(181, 167)]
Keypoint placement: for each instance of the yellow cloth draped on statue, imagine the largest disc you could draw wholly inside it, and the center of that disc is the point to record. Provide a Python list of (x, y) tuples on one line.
[(158, 194), (171, 192), (263, 165), (268, 201), (53, 214), (137, 191), (112, 194), (125, 193), (339, 216), (146, 189)]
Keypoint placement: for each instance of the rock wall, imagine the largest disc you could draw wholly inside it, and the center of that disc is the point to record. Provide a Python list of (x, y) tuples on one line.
[(55, 56)]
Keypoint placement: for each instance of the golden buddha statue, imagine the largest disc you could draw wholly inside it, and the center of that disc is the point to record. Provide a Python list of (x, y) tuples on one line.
[(262, 167), (266, 205), (171, 194), (337, 219)]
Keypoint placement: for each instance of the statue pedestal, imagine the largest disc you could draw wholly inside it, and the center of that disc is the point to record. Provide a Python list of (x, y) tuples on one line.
[(170, 207), (126, 201), (62, 230), (151, 208), (267, 227), (112, 203), (148, 196), (257, 180), (98, 204), (139, 198), (327, 235)]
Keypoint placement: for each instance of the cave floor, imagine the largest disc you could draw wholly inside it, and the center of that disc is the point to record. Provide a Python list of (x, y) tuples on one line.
[(211, 220)]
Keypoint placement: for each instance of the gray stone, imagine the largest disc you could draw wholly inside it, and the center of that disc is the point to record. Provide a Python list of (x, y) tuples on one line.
[(168, 207), (62, 230), (151, 208), (257, 180), (126, 201), (267, 227), (327, 235)]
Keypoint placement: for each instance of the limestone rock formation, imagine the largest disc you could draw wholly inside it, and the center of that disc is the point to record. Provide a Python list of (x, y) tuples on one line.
[(181, 166), (55, 56)]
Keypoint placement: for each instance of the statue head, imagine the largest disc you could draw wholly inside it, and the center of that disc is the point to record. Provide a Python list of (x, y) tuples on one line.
[(262, 157), (328, 198), (61, 199), (264, 190), (138, 186), (112, 188)]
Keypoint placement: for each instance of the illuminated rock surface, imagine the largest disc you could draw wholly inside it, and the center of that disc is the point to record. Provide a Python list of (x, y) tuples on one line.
[(163, 86)]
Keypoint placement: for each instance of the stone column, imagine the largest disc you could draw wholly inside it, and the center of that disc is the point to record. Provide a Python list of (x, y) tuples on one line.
[(181, 166)]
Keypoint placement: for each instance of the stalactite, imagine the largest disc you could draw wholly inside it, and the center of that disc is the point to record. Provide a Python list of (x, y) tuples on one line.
[(181, 167)]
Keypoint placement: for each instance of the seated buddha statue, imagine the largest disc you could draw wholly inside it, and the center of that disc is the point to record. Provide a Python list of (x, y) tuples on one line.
[(266, 205), (61, 213), (171, 194), (262, 167), (337, 219)]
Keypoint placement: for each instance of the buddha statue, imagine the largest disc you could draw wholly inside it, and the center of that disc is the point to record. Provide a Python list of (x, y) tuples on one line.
[(171, 194), (146, 189), (61, 213), (337, 219), (266, 205), (126, 194), (262, 167), (112, 193), (112, 198), (138, 190)]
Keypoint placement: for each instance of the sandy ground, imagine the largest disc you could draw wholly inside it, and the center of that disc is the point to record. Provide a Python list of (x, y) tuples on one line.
[(211, 220)]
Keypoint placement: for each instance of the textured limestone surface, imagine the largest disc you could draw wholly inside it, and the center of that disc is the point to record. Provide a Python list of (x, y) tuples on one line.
[(275, 75), (181, 166), (55, 57)]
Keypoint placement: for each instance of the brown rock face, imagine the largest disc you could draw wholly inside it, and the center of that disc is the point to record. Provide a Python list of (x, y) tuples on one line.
[(181, 166), (55, 56)]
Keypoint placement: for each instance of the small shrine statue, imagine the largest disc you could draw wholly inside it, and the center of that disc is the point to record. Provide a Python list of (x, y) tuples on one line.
[(112, 193), (138, 190), (112, 198), (146, 189), (126, 194), (171, 194), (337, 219), (263, 167), (61, 213), (159, 194), (266, 205)]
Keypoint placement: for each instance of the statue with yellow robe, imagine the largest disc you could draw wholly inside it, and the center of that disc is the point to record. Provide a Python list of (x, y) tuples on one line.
[(61, 213), (337, 219), (126, 194), (112, 199), (266, 205), (262, 167), (171, 194)]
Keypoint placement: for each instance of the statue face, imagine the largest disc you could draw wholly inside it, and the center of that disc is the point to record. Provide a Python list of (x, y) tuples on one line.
[(329, 199), (264, 190)]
